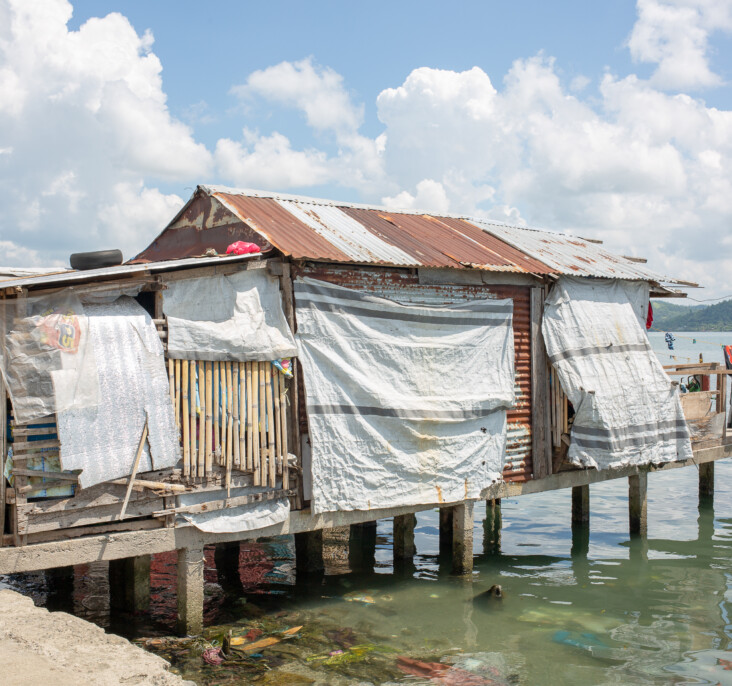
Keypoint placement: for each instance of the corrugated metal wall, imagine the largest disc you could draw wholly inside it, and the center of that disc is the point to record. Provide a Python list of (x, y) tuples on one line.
[(404, 285)]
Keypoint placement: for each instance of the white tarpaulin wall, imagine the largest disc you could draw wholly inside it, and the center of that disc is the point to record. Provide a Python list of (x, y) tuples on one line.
[(237, 317), (627, 411), (133, 385), (406, 404)]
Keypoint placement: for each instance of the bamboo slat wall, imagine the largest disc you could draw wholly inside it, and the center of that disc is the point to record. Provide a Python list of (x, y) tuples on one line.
[(231, 415)]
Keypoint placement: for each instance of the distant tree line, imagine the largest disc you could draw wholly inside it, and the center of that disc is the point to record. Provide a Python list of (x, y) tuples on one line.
[(670, 317)]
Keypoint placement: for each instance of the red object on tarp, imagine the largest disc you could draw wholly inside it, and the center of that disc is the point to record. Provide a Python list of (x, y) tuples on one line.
[(649, 318), (242, 248)]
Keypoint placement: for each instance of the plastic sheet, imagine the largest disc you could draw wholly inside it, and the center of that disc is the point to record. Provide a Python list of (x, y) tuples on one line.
[(133, 388), (48, 361), (406, 404), (627, 411), (237, 317)]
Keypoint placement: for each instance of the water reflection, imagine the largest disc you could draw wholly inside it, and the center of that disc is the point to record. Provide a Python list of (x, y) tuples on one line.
[(589, 605)]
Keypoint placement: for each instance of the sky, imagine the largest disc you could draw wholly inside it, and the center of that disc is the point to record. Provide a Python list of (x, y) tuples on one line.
[(609, 120)]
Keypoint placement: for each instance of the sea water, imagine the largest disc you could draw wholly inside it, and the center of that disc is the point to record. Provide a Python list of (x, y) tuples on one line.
[(598, 608)]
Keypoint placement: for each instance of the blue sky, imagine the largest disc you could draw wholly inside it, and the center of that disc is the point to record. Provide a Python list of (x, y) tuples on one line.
[(605, 119)]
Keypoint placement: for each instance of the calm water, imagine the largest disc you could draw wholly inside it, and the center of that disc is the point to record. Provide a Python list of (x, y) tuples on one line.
[(597, 610)]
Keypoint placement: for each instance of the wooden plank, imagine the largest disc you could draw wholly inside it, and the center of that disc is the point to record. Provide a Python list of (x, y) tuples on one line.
[(171, 383), (230, 418), (185, 421), (238, 414), (76, 532), (61, 476), (26, 431), (215, 505), (540, 414), (25, 446), (135, 466)]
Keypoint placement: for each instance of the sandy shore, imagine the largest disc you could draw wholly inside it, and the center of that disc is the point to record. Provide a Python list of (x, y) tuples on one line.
[(55, 648)]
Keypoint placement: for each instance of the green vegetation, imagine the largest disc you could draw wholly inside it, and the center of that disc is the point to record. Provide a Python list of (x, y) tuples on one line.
[(670, 317)]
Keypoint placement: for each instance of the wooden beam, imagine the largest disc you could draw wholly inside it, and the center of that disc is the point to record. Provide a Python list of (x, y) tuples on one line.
[(541, 451)]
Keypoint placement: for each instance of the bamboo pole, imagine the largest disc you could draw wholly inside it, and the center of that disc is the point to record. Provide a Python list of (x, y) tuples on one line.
[(186, 426), (283, 425), (270, 424), (177, 393), (203, 410), (250, 419), (230, 422), (277, 420), (192, 413), (171, 381), (224, 413), (256, 460), (211, 405), (216, 406), (238, 405)]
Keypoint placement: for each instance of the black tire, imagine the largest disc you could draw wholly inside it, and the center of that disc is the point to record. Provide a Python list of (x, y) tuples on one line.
[(94, 260)]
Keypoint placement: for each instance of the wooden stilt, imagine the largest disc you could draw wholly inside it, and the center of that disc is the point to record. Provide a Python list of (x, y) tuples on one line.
[(638, 504), (706, 478), (462, 538), (580, 505)]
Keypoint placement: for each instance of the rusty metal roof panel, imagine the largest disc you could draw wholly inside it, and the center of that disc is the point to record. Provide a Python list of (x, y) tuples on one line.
[(521, 260), (571, 255), (323, 230), (347, 234), (281, 228)]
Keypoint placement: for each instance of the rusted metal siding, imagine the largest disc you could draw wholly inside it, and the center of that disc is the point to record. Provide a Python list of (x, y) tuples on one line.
[(202, 224), (403, 284)]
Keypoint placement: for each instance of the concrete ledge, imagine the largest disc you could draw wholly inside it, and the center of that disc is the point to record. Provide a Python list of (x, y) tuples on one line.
[(133, 543), (55, 648)]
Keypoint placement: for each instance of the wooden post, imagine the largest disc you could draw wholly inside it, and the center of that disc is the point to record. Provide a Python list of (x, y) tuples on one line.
[(309, 552), (129, 583), (580, 505), (492, 527), (462, 538), (362, 547), (541, 443), (706, 480), (403, 537), (637, 504), (190, 590)]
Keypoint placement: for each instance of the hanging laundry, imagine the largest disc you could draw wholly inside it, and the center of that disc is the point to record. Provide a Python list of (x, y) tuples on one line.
[(649, 318), (727, 350), (670, 340)]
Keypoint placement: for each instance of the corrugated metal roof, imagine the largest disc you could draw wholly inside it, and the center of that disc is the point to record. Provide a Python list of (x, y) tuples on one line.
[(70, 277), (571, 254), (347, 234), (325, 230)]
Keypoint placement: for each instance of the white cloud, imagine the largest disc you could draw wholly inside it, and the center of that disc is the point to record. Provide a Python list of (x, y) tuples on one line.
[(84, 126), (674, 35)]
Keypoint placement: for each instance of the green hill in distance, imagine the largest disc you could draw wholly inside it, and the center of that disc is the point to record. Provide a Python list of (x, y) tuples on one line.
[(670, 317)]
